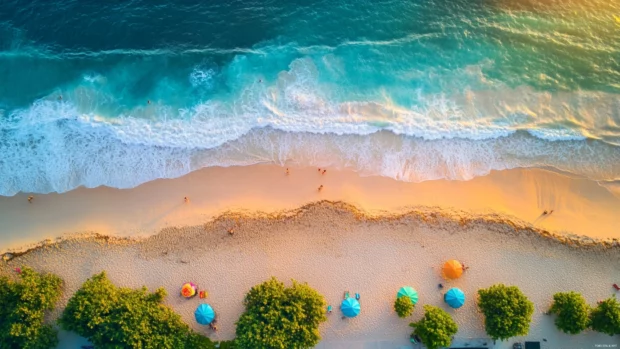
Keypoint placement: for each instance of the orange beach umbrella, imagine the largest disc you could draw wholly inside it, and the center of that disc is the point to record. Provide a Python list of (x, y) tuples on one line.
[(452, 269)]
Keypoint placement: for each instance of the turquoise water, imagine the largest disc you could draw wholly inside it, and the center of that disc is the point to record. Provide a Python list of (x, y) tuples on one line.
[(119, 94)]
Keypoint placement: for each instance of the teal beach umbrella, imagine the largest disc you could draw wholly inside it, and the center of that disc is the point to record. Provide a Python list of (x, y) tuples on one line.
[(204, 314), (409, 292), (350, 307), (454, 297)]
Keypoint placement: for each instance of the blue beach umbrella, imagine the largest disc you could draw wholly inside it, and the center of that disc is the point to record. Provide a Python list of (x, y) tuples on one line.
[(454, 297), (350, 307), (204, 314), (409, 292)]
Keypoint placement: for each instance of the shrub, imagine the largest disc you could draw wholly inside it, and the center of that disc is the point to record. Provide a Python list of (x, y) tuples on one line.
[(280, 317), (572, 312), (605, 318), (436, 328), (113, 317), (403, 306), (227, 345), (22, 309), (507, 311)]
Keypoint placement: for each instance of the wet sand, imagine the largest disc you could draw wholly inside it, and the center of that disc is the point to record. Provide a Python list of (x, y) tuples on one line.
[(579, 206)]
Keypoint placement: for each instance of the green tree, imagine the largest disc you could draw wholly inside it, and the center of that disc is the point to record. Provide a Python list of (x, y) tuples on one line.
[(280, 317), (22, 310), (113, 317), (572, 312), (507, 311), (436, 328), (403, 306), (227, 344), (605, 318)]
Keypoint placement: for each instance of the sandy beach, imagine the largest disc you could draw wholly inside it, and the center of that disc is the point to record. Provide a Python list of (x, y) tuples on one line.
[(579, 206), (370, 235), (353, 145), (336, 247)]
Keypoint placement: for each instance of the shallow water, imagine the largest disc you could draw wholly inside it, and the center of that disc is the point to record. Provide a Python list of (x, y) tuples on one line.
[(119, 94)]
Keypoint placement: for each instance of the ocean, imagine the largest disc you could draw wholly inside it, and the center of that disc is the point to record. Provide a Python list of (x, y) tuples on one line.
[(119, 93)]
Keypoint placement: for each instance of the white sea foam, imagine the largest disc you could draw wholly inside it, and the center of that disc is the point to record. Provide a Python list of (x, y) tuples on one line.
[(57, 145), (201, 76), (65, 153)]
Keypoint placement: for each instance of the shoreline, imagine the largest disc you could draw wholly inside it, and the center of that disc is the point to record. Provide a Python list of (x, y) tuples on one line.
[(581, 207), (335, 246)]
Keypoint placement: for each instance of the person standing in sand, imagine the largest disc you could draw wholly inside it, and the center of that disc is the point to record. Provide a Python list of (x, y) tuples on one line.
[(287, 171), (324, 171), (321, 187), (30, 198), (186, 199)]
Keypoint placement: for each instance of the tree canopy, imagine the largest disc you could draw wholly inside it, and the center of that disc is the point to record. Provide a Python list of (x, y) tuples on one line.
[(113, 317), (436, 328), (403, 306), (605, 318), (280, 317), (507, 311), (22, 309), (572, 312)]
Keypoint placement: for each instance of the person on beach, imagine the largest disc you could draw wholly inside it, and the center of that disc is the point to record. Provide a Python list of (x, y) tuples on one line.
[(440, 286), (545, 212), (30, 198), (321, 187), (319, 170), (231, 231), (186, 199), (616, 287), (324, 171), (287, 171)]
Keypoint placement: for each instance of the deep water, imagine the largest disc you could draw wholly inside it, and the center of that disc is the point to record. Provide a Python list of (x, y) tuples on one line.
[(119, 93)]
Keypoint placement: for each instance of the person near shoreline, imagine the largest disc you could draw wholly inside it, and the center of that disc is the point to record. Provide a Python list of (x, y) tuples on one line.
[(30, 198)]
